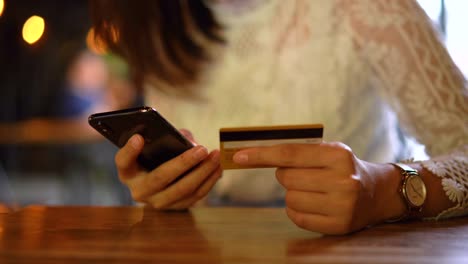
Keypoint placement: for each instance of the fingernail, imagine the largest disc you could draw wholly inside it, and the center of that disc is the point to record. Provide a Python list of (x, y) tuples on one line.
[(200, 153), (136, 142), (240, 158)]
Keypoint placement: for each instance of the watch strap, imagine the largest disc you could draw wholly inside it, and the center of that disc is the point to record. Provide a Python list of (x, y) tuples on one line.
[(405, 168)]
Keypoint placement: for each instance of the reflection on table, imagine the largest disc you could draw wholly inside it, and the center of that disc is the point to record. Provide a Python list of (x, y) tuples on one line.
[(39, 234)]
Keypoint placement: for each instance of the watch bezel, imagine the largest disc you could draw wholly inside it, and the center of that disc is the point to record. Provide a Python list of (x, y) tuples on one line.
[(411, 202)]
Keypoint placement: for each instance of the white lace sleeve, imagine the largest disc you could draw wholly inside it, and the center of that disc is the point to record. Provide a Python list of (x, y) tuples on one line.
[(420, 82)]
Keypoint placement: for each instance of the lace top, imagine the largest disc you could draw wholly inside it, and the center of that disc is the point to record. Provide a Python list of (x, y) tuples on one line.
[(366, 69)]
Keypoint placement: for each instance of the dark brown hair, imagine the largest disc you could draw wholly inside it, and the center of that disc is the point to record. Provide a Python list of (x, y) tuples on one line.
[(165, 39)]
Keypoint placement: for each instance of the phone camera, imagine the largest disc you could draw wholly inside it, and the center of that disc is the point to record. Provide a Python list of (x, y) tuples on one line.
[(104, 128)]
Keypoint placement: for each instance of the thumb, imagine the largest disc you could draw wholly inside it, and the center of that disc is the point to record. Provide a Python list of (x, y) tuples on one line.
[(126, 157)]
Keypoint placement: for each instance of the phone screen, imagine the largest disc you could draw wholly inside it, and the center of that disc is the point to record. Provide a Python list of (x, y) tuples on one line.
[(162, 141)]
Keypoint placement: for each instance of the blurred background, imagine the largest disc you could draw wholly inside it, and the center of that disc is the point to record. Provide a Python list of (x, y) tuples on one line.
[(53, 74)]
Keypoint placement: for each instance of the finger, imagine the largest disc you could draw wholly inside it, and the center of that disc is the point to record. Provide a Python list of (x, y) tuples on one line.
[(318, 223), (186, 185), (126, 157), (295, 155), (164, 175), (200, 193), (315, 179), (185, 188)]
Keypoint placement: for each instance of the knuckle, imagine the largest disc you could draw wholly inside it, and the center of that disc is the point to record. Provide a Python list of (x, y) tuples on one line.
[(300, 221), (158, 202), (341, 150), (157, 205), (291, 181), (289, 198), (339, 145), (137, 195), (280, 175)]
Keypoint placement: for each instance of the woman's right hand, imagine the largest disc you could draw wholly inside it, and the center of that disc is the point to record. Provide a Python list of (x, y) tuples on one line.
[(157, 188)]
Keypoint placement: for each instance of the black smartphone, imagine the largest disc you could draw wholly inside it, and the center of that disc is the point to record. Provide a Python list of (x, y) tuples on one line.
[(162, 141)]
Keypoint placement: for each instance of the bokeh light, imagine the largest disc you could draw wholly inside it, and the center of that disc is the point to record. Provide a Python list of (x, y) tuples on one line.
[(33, 29), (2, 6)]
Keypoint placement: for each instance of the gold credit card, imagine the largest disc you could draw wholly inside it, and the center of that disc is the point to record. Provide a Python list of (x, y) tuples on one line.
[(237, 138)]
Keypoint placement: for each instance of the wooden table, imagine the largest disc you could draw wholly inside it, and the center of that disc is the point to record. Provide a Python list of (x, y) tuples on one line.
[(39, 234)]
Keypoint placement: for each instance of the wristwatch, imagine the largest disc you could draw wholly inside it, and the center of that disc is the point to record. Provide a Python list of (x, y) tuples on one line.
[(412, 190)]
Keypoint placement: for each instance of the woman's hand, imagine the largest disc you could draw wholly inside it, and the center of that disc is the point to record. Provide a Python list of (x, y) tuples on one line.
[(328, 189), (159, 187)]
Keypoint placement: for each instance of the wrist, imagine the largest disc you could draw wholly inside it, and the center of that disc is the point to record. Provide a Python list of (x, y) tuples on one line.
[(390, 204)]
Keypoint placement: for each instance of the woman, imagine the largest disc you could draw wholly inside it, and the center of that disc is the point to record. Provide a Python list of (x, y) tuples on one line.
[(363, 68)]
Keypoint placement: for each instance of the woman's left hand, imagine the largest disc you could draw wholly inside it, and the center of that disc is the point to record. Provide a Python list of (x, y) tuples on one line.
[(328, 189)]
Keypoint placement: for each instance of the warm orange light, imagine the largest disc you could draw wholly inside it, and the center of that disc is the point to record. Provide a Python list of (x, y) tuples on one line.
[(95, 44), (33, 29), (2, 6)]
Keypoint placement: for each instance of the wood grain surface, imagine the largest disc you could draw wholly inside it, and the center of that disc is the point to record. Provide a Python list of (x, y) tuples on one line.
[(39, 234)]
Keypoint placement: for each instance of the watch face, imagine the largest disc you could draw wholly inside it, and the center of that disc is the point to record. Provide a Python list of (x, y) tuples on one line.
[(415, 191)]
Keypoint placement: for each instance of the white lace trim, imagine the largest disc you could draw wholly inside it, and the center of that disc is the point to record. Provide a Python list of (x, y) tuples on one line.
[(426, 90), (453, 170)]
